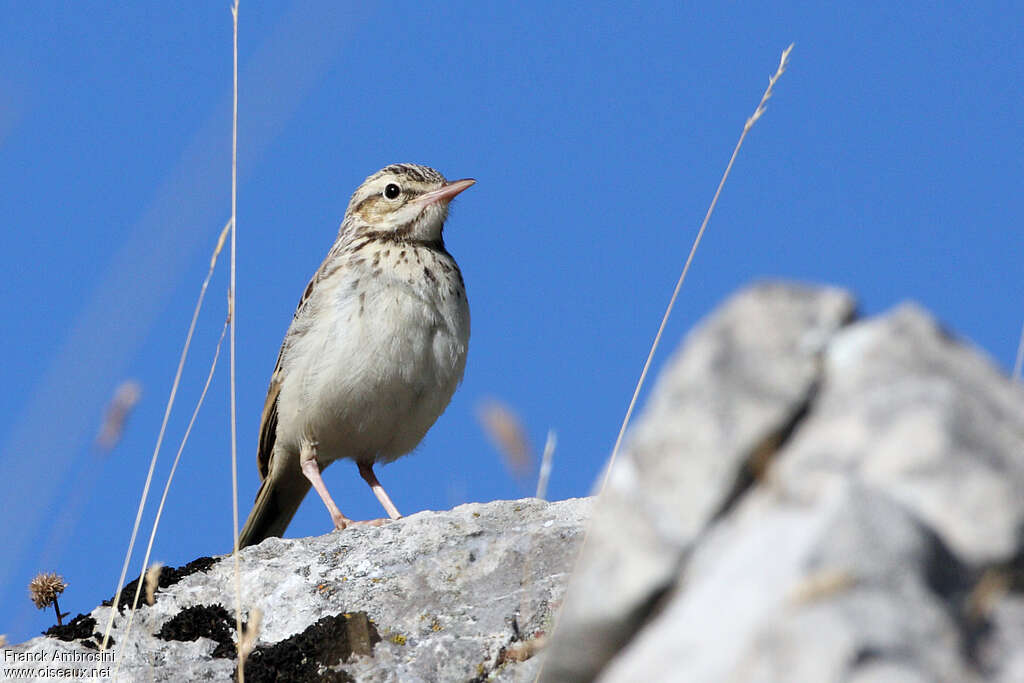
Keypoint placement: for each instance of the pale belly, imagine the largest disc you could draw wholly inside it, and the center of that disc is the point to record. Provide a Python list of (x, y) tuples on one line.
[(368, 383)]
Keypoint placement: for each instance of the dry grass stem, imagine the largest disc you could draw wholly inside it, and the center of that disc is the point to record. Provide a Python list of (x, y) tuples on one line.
[(1020, 357), (250, 634), (144, 577), (160, 436), (523, 650), (783, 63), (231, 319), (153, 582), (545, 464), (506, 432), (126, 396), (170, 475), (822, 584)]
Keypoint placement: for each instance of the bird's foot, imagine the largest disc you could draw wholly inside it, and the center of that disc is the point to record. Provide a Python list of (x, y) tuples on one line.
[(340, 520), (365, 522)]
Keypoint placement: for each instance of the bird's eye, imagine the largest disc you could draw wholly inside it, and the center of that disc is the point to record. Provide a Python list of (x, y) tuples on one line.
[(392, 191)]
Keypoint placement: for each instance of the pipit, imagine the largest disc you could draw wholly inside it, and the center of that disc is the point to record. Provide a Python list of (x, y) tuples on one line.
[(374, 351)]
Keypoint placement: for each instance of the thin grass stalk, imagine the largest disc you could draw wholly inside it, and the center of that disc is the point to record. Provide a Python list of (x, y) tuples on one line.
[(758, 112), (783, 61), (160, 436), (167, 488), (233, 325), (545, 465)]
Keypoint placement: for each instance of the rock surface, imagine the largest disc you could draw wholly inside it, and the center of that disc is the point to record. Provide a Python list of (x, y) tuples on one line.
[(437, 596), (808, 497)]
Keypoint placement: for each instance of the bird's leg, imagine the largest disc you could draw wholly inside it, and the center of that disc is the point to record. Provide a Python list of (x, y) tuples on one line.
[(311, 468), (366, 470)]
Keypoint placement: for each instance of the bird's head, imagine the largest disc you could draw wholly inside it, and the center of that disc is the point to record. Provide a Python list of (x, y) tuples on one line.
[(406, 201)]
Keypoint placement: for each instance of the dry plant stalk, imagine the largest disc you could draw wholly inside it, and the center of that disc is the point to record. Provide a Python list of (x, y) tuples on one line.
[(231, 319), (822, 584), (160, 436), (153, 571), (153, 582), (44, 589), (506, 432), (230, 323), (177, 379), (250, 634), (505, 429), (523, 650), (758, 112), (783, 62), (167, 488), (545, 465)]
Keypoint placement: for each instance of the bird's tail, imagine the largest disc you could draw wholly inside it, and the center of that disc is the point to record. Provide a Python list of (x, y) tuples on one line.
[(276, 503)]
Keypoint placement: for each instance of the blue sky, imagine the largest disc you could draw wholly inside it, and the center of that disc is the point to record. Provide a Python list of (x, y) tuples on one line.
[(889, 162)]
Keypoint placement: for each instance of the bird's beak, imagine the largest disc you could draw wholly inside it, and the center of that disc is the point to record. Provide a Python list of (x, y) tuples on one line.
[(446, 193)]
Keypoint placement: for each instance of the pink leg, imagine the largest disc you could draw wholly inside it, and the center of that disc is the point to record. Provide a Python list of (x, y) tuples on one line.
[(367, 473), (310, 467)]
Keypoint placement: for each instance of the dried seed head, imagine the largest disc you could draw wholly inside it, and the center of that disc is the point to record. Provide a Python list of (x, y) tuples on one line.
[(45, 588), (126, 396), (506, 431)]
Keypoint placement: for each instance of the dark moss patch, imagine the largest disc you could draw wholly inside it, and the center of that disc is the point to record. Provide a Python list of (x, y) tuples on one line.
[(327, 643), (203, 621), (81, 628), (168, 577)]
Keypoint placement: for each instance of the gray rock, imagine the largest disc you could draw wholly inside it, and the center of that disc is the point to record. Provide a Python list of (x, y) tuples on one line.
[(782, 590), (808, 498), (727, 397), (446, 592), (1001, 653), (926, 419)]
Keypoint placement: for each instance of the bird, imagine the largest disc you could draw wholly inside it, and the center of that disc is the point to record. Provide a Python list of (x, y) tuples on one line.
[(374, 351)]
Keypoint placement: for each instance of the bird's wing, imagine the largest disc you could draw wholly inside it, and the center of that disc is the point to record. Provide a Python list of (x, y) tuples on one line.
[(268, 421)]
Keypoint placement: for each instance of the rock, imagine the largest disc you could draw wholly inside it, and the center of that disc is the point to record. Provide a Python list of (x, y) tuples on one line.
[(724, 401), (808, 497), (449, 596), (926, 419), (782, 590)]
